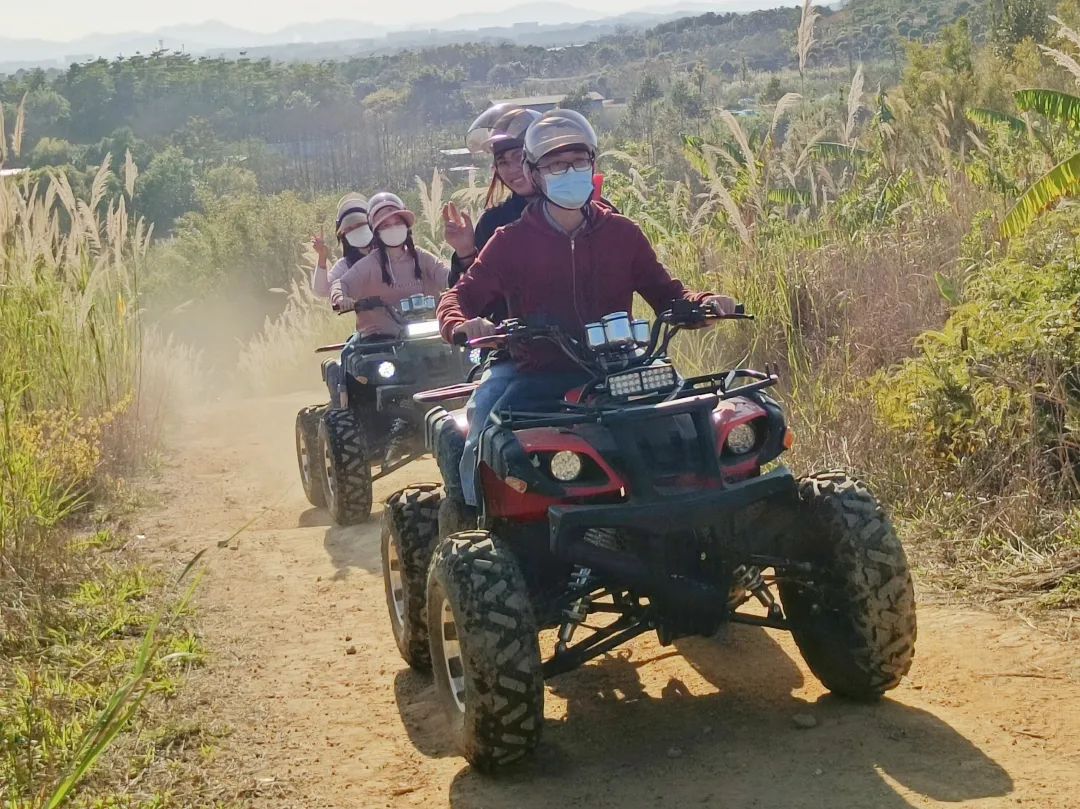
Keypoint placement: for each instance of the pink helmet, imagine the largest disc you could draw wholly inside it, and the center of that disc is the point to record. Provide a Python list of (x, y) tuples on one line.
[(384, 205)]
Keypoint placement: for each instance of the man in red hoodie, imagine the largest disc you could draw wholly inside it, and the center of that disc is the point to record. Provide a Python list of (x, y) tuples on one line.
[(567, 261)]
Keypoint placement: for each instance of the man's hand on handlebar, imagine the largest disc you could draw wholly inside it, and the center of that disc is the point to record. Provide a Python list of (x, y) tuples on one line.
[(688, 314), (473, 329), (720, 305)]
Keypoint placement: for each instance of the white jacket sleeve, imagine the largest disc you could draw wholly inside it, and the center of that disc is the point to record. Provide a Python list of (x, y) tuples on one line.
[(321, 279)]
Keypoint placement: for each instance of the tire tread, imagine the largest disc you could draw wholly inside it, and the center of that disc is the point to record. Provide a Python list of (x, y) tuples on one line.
[(352, 470), (500, 647), (864, 643), (412, 521), (307, 426)]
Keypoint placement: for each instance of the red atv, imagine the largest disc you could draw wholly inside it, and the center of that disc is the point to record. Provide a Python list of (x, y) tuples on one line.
[(642, 498)]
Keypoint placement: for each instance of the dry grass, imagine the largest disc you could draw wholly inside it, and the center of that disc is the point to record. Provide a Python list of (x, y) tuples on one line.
[(282, 356), (81, 399)]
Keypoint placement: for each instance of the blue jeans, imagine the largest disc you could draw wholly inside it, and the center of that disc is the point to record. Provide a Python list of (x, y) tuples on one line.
[(493, 384), (503, 386)]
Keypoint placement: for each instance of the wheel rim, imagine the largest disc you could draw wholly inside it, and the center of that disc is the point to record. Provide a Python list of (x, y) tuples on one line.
[(305, 459), (328, 471), (451, 653), (397, 583)]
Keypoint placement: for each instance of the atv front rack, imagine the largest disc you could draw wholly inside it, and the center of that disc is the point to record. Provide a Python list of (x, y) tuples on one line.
[(692, 392)]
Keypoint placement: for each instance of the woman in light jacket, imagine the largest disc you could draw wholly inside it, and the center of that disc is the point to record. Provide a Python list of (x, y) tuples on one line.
[(353, 232), (394, 269)]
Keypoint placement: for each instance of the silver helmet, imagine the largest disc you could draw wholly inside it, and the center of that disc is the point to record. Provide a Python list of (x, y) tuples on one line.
[(480, 130), (558, 129), (509, 131)]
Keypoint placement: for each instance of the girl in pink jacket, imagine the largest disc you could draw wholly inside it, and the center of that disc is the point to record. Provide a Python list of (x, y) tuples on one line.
[(395, 268)]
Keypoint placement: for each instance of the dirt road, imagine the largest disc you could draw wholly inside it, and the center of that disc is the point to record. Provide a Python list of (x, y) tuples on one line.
[(325, 714)]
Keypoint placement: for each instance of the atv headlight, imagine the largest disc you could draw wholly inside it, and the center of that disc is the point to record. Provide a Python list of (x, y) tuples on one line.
[(741, 439), (566, 466), (386, 369)]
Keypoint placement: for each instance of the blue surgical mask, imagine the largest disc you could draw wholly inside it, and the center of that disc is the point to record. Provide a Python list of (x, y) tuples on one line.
[(570, 190)]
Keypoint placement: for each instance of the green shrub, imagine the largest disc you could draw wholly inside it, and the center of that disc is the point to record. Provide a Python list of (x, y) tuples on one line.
[(996, 392)]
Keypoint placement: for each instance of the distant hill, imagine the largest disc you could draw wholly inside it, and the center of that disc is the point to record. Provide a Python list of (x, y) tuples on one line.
[(534, 23), (856, 30), (757, 32)]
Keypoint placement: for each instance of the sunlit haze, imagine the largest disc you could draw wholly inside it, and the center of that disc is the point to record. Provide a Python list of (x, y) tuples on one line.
[(68, 19)]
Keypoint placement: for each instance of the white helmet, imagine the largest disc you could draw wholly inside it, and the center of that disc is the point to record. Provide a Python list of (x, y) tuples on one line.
[(558, 129), (350, 200), (351, 212)]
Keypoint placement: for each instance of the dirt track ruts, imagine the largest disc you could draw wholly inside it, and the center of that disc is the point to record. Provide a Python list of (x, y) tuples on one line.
[(989, 717)]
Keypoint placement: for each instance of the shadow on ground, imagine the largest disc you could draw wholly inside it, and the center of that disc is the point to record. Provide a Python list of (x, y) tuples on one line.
[(314, 518), (617, 746), (352, 547)]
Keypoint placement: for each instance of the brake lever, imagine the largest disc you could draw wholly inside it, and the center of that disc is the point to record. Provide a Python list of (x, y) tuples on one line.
[(491, 341)]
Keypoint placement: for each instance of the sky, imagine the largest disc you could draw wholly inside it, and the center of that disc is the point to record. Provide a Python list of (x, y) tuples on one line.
[(68, 19)]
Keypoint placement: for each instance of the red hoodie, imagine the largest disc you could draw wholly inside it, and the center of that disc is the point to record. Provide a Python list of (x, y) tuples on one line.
[(546, 276)]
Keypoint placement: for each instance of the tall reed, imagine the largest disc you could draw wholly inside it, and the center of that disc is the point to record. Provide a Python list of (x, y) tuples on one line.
[(71, 373), (69, 334)]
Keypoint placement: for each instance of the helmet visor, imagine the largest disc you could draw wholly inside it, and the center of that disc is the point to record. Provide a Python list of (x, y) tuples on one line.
[(481, 129), (351, 220)]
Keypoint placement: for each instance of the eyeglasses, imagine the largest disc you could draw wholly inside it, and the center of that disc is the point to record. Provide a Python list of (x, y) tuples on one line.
[(558, 167)]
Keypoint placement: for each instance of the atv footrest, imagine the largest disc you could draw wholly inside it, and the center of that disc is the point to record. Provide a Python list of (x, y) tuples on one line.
[(382, 470)]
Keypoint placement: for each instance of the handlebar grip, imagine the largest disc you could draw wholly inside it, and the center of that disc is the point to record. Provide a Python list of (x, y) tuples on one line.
[(460, 339)]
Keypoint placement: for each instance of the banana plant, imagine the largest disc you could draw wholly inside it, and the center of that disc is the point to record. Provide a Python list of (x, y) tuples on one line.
[(1063, 180)]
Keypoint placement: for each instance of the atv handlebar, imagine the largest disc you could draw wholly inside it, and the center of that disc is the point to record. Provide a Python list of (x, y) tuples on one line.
[(688, 313), (368, 305), (682, 315)]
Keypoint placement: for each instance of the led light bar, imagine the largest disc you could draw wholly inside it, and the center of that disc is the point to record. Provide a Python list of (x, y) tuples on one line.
[(625, 384), (646, 380), (423, 328)]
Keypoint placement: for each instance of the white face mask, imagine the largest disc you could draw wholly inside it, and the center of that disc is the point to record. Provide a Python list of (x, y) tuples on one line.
[(394, 235), (361, 237)]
